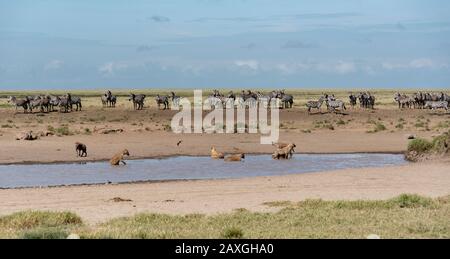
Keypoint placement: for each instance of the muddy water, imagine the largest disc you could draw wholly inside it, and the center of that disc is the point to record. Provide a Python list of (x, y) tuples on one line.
[(183, 168)]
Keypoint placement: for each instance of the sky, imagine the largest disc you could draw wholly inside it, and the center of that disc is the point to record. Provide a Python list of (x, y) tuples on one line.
[(97, 44)]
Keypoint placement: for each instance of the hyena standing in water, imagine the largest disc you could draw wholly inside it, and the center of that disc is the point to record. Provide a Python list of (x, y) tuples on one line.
[(118, 158)]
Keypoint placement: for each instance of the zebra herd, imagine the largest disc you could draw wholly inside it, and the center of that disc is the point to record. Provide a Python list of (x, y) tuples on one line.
[(47, 103), (421, 100), (251, 99), (366, 100), (246, 98), (333, 104)]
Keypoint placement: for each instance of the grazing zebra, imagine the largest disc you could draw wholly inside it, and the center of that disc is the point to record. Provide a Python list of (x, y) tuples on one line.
[(138, 101), (19, 103), (436, 105), (162, 100), (315, 104), (334, 105)]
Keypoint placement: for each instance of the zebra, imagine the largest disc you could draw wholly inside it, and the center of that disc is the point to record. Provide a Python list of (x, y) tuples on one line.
[(104, 99), (434, 105), (175, 100), (162, 100), (402, 100), (77, 102), (366, 100), (315, 104), (54, 101), (286, 99), (19, 103), (239, 102), (39, 102), (64, 103), (264, 100), (138, 101), (353, 98), (333, 104)]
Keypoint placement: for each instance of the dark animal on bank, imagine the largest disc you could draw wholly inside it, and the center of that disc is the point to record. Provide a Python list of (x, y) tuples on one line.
[(118, 158), (81, 149)]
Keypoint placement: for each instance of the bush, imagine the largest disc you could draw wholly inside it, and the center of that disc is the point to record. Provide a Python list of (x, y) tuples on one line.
[(34, 219), (63, 131), (233, 233), (45, 233), (440, 143), (411, 201), (420, 146)]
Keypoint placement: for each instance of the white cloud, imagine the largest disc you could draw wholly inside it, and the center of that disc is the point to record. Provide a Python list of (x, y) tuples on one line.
[(110, 68), (252, 64), (345, 67), (421, 63), (53, 65)]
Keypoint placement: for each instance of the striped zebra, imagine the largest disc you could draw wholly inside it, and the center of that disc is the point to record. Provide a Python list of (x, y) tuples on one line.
[(436, 105), (334, 105), (315, 104), (403, 100)]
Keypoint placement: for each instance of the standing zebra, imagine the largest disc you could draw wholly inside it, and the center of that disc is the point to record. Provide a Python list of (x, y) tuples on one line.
[(162, 100), (138, 101), (175, 100), (353, 100), (19, 103), (333, 104)]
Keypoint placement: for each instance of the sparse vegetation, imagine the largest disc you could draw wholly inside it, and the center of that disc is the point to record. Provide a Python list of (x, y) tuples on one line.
[(378, 127), (419, 147), (406, 216)]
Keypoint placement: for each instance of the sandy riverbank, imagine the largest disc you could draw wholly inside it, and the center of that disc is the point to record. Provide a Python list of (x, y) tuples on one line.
[(94, 204)]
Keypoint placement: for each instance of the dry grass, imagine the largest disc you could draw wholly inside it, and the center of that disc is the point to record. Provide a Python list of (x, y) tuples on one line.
[(406, 216)]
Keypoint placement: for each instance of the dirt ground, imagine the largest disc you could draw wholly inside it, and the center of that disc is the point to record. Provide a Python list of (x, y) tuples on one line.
[(147, 134), (95, 204)]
